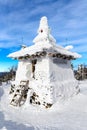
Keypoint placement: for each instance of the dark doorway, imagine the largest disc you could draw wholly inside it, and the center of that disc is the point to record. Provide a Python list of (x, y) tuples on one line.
[(33, 66)]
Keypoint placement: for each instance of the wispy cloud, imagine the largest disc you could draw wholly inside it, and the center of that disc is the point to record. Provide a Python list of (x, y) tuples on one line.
[(65, 18), (20, 19)]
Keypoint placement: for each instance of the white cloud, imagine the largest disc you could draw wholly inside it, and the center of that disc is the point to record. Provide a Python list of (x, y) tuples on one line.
[(10, 2), (67, 20)]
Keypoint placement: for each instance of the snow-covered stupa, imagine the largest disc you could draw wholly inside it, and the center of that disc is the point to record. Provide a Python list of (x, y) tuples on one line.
[(44, 74)]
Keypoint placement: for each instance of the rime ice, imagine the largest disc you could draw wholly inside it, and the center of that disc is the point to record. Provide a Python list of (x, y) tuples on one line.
[(44, 74)]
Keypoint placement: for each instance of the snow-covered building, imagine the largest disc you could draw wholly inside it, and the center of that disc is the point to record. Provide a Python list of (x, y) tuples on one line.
[(44, 74)]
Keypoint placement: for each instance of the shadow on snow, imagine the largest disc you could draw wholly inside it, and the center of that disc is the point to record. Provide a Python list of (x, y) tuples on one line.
[(1, 92), (9, 125)]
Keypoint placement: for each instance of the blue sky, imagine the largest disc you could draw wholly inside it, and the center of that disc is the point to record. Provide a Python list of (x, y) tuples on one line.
[(20, 18)]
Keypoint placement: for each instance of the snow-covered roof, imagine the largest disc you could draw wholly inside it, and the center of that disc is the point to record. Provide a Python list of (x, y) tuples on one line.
[(48, 48), (44, 41)]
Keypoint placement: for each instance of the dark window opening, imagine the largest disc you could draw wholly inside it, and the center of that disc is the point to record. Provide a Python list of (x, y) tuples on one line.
[(33, 67), (41, 30)]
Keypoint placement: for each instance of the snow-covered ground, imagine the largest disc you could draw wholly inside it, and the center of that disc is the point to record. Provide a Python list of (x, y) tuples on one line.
[(64, 115)]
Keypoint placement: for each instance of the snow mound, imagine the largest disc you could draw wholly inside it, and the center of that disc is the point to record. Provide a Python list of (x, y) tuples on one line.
[(64, 115), (69, 47)]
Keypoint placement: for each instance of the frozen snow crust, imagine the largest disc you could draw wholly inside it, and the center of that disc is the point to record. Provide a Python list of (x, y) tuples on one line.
[(68, 114)]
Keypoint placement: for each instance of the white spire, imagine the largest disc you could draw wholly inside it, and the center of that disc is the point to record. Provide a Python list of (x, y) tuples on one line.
[(43, 21), (43, 27), (44, 35)]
